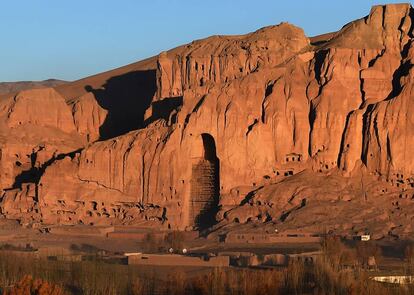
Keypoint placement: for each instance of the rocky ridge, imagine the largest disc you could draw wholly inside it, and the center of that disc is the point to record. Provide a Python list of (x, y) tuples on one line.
[(14, 87), (271, 128)]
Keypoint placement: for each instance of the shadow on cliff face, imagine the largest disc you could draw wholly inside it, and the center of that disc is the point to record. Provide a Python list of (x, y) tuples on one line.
[(34, 174), (166, 109), (125, 97)]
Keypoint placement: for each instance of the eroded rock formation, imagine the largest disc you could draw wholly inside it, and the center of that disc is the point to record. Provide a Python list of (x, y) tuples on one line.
[(270, 127)]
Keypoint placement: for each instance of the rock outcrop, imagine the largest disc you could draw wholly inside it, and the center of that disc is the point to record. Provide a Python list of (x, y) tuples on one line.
[(229, 129), (88, 116), (220, 59), (37, 126)]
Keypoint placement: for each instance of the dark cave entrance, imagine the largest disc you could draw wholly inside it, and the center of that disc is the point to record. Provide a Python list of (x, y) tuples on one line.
[(205, 184)]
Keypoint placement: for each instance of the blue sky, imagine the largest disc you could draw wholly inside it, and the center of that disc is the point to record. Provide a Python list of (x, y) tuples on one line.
[(69, 40)]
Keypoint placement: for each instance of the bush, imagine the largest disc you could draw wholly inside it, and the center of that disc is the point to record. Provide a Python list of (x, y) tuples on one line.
[(30, 286)]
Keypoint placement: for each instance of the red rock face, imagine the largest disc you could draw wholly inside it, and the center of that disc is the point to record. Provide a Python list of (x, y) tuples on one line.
[(255, 128)]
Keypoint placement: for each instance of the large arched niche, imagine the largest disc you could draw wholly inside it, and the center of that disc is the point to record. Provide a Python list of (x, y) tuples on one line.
[(204, 147), (205, 182)]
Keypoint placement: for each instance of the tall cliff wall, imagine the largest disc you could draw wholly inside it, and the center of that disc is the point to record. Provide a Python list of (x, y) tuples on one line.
[(253, 109)]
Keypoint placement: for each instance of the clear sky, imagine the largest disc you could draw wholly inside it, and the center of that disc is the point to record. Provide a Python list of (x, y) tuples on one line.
[(71, 39)]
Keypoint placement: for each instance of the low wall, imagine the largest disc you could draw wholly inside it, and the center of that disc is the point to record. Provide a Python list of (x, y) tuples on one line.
[(245, 259), (177, 260), (264, 238), (53, 253), (82, 230), (142, 234)]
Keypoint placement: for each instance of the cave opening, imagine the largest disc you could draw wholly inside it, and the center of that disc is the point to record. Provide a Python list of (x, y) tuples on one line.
[(205, 184)]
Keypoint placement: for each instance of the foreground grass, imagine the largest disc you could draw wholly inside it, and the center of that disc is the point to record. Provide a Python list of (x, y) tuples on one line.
[(326, 275)]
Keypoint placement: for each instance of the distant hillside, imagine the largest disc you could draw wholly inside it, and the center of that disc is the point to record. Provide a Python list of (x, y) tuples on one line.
[(7, 87)]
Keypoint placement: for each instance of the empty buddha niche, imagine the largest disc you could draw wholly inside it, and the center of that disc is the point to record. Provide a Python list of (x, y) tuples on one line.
[(205, 183)]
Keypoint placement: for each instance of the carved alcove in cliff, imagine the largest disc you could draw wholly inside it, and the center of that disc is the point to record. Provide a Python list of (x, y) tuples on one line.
[(205, 182)]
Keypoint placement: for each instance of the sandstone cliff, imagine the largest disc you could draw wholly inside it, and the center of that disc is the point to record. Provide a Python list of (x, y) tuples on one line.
[(271, 127)]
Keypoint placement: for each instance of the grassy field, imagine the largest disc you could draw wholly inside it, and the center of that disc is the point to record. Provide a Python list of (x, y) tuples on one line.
[(339, 270)]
